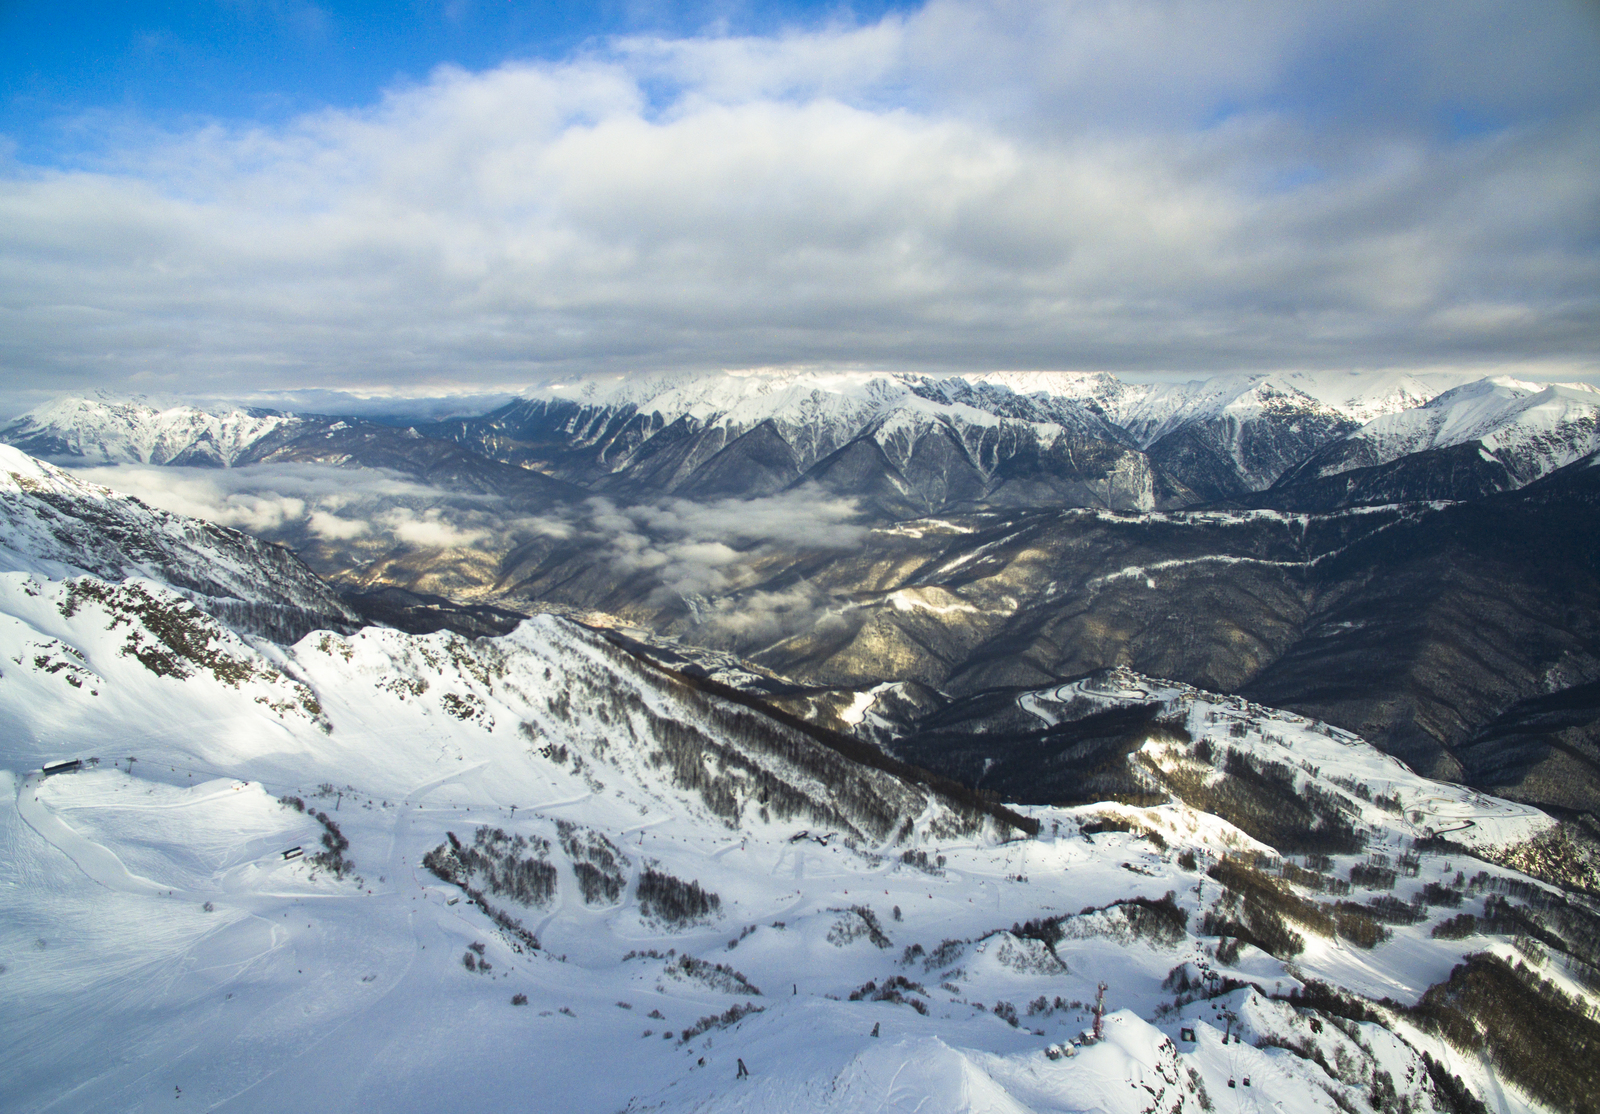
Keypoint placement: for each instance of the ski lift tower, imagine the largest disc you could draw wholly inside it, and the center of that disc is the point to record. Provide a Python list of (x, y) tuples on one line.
[(1100, 1013)]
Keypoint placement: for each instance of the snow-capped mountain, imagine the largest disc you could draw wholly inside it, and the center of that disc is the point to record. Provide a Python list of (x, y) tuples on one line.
[(921, 444), (572, 880), (1489, 435), (906, 444), (102, 430), (1227, 436), (1232, 434), (106, 430), (1357, 396)]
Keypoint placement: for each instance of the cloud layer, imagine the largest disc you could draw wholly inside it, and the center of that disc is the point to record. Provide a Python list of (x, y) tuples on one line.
[(1143, 186), (711, 557)]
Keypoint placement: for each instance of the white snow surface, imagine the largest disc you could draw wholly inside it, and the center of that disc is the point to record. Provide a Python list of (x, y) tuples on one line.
[(156, 950), (745, 397)]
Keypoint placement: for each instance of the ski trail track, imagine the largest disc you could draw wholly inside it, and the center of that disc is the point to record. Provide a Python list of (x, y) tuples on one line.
[(96, 860)]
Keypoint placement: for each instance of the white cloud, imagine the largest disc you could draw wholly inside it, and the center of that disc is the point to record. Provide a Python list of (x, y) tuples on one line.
[(430, 530), (1183, 184), (206, 493), (334, 528), (320, 500)]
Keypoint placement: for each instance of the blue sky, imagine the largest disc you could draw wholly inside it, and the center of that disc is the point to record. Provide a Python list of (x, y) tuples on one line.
[(271, 194), (267, 60)]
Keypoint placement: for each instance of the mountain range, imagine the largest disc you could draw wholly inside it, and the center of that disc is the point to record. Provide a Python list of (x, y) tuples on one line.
[(1408, 558)]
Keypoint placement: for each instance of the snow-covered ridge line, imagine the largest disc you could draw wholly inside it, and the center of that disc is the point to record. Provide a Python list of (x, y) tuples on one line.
[(916, 442), (108, 430), (1531, 428)]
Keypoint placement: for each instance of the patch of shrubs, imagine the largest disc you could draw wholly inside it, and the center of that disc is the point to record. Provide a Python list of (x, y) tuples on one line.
[(1458, 927), (505, 865), (1330, 1000), (1161, 921), (894, 989), (945, 954), (1435, 894), (730, 1016), (718, 976), (1372, 876), (1260, 798), (596, 861), (1390, 909), (919, 859), (856, 922), (673, 901), (334, 845), (445, 862), (1450, 1094), (1356, 925), (1105, 822), (1256, 907)]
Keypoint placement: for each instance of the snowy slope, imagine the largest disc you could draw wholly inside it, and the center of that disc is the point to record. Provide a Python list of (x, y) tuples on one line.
[(1362, 396), (370, 1004), (156, 948), (1531, 429), (53, 524)]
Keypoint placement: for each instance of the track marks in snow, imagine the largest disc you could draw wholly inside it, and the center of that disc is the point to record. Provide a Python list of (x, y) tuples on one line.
[(96, 860)]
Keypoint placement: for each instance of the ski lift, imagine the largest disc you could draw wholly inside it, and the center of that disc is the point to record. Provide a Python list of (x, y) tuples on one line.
[(1186, 1035), (1247, 1081), (1230, 1083)]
